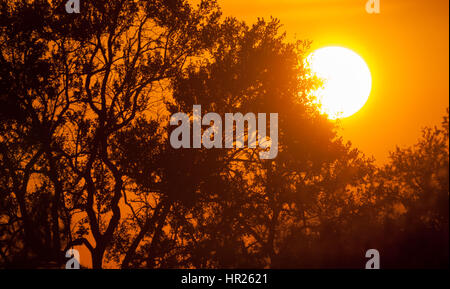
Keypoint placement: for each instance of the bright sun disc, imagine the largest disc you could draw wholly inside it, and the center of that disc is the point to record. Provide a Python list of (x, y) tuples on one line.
[(347, 81)]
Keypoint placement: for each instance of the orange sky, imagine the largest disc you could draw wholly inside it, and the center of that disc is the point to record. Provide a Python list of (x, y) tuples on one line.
[(406, 48)]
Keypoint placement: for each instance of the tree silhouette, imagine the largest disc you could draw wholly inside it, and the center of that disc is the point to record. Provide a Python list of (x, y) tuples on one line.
[(418, 177), (78, 81), (85, 158)]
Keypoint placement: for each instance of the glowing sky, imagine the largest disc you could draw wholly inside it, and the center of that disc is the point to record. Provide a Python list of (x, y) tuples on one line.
[(406, 48)]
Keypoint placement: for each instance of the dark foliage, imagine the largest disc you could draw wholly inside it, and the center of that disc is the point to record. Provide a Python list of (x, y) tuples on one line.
[(85, 159)]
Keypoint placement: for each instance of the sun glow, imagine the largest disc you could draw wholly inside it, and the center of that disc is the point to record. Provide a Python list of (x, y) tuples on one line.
[(347, 81)]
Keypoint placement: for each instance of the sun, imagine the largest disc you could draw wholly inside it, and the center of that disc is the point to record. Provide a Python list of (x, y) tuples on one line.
[(347, 81)]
